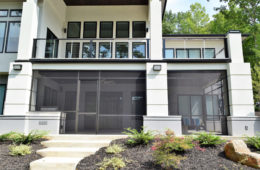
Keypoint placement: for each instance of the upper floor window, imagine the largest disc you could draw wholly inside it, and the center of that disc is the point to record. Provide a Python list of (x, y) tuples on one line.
[(106, 29), (90, 30), (209, 52), (139, 50), (3, 13), (74, 30), (139, 29), (15, 13), (122, 30), (13, 37), (169, 53), (2, 35), (188, 53)]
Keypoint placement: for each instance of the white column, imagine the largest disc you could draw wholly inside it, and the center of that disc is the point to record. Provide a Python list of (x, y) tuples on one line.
[(157, 90), (235, 49), (18, 90), (155, 18), (28, 30)]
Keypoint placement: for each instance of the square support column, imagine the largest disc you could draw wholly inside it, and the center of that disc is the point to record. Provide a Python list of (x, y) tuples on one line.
[(158, 118)]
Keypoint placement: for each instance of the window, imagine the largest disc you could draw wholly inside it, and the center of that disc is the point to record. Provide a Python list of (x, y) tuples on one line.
[(13, 37), (106, 29), (139, 50), (52, 44), (90, 30), (89, 50), (194, 53), (122, 30), (15, 13), (139, 29), (4, 13), (121, 50), (188, 53), (169, 53), (105, 50), (209, 53), (72, 50), (2, 97), (74, 30), (181, 53), (2, 35)]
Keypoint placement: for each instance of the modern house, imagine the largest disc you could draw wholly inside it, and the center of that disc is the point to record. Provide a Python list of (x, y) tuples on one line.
[(99, 66)]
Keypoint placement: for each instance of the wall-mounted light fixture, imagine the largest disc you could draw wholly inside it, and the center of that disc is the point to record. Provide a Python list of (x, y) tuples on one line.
[(17, 67), (147, 29), (157, 67), (65, 30)]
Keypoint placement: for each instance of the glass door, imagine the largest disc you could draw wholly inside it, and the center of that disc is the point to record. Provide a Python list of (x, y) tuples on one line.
[(86, 115), (2, 97)]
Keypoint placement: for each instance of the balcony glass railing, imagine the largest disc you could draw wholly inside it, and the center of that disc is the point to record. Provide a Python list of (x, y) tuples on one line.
[(91, 49), (194, 48)]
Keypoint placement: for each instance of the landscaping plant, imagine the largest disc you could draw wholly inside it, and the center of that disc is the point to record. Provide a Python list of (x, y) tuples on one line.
[(208, 139), (114, 149), (166, 148), (20, 150), (114, 162), (254, 142), (138, 138)]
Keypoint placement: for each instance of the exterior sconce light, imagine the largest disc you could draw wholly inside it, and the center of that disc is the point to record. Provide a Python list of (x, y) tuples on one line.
[(157, 67), (147, 29), (17, 67), (65, 30)]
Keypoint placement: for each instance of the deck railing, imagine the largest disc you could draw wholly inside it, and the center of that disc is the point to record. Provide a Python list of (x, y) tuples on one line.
[(91, 48)]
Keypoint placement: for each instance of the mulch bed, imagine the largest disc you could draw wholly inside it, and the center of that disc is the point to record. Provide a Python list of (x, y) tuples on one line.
[(141, 159), (8, 162)]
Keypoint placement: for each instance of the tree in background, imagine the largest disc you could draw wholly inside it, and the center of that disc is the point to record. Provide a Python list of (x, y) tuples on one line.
[(243, 15)]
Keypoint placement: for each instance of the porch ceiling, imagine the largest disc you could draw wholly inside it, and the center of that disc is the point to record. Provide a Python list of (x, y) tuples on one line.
[(105, 2)]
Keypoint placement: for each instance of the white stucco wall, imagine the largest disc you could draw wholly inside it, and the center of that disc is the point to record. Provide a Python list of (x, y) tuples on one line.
[(7, 58)]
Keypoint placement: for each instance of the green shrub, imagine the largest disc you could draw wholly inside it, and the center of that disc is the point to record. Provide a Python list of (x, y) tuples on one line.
[(114, 162), (20, 150), (167, 160), (138, 138), (114, 149), (20, 138), (208, 139), (169, 143), (254, 142)]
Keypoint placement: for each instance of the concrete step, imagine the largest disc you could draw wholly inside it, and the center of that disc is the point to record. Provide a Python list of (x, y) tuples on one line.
[(53, 163), (67, 152), (86, 137), (76, 143)]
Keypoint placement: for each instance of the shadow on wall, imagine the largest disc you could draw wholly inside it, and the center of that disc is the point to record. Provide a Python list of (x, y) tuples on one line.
[(257, 113)]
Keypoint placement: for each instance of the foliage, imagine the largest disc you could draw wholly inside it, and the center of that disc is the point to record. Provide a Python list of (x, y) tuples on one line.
[(138, 138), (169, 143), (114, 149), (20, 138), (114, 162), (167, 160), (254, 142), (20, 150), (208, 139)]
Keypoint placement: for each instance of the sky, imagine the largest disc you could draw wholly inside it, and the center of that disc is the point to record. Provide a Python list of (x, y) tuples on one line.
[(184, 5)]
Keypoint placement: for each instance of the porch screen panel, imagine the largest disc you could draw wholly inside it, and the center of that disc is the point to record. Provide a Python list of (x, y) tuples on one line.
[(122, 101), (201, 98)]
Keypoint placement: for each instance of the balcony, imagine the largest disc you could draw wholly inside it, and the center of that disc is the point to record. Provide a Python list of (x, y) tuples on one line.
[(91, 49), (195, 48)]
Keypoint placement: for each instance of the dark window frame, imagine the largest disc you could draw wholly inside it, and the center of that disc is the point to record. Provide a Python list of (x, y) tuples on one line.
[(116, 49), (209, 49), (68, 26), (10, 13), (4, 39), (93, 22), (7, 10), (100, 28), (145, 52), (133, 27), (111, 44), (188, 52), (173, 49), (118, 22), (5, 86), (7, 37)]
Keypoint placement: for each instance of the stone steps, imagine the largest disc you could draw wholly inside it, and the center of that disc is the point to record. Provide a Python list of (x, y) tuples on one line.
[(64, 152)]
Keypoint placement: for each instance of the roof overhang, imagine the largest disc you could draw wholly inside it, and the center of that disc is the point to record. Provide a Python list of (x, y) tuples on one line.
[(105, 2)]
